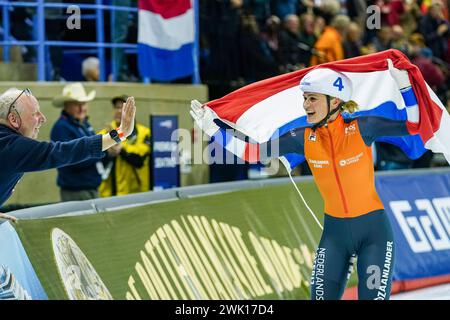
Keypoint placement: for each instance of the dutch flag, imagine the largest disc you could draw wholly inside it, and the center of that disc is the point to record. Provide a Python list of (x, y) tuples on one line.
[(270, 108), (166, 36)]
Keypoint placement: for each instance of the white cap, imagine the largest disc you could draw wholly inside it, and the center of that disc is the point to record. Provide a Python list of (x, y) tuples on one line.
[(328, 82)]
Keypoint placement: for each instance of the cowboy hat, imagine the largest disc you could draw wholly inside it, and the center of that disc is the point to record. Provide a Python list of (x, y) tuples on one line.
[(73, 92)]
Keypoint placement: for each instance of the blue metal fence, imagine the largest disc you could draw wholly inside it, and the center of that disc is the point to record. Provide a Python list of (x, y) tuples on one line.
[(100, 45)]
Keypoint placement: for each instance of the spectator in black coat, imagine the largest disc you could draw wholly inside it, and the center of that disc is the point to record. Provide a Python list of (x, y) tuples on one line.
[(257, 61), (435, 30), (293, 53), (353, 42)]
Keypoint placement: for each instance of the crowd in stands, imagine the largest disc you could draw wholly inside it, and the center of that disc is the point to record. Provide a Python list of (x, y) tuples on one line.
[(244, 41)]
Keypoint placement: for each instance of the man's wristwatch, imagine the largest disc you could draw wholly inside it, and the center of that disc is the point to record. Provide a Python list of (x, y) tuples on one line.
[(117, 135)]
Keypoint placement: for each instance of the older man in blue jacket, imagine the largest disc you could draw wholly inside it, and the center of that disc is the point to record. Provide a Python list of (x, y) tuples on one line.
[(20, 152), (79, 181)]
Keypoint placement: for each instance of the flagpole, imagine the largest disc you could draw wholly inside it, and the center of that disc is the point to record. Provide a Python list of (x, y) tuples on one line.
[(196, 51)]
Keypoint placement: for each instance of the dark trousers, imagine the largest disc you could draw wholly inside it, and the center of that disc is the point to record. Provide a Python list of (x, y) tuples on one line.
[(70, 195), (369, 238)]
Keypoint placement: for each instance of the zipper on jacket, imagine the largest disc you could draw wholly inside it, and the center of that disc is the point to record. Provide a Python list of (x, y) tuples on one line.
[(336, 174)]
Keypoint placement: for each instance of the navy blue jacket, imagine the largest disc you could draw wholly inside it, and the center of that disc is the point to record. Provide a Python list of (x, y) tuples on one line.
[(84, 175), (19, 154)]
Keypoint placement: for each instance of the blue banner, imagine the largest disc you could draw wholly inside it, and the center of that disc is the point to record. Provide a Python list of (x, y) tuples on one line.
[(165, 168), (419, 210), (18, 280)]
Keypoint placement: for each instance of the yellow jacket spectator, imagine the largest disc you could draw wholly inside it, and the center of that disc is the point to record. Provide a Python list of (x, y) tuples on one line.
[(126, 168)]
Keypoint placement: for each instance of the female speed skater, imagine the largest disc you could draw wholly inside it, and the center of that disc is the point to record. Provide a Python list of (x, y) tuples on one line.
[(338, 151)]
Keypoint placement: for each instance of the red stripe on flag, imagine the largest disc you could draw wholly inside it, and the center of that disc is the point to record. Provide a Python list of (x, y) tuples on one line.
[(166, 8), (251, 153), (233, 105)]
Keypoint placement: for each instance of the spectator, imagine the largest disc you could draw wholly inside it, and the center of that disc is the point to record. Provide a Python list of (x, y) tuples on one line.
[(257, 61), (422, 58), (383, 40), (328, 9), (127, 164), (329, 45), (20, 120), (307, 35), (417, 39), (292, 54), (391, 11), (409, 19), (319, 26), (435, 30), (399, 41), (368, 49), (90, 68), (79, 181), (426, 4), (271, 34), (353, 42)]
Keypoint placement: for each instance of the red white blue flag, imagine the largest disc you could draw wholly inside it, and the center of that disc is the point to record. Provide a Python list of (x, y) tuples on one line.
[(166, 35), (267, 109)]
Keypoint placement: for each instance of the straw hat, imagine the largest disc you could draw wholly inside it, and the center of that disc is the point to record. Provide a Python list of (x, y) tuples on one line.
[(73, 92)]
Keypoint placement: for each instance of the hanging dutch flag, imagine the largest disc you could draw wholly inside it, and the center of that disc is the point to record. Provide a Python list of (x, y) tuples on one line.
[(267, 109), (166, 36)]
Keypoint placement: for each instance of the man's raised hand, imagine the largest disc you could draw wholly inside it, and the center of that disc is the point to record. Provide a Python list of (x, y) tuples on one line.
[(128, 116)]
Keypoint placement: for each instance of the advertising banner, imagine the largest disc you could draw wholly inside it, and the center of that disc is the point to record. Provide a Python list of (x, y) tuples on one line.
[(248, 244), (419, 210), (165, 170), (18, 281)]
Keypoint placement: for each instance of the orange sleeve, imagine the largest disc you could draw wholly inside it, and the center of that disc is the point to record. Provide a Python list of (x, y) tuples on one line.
[(322, 45), (330, 47)]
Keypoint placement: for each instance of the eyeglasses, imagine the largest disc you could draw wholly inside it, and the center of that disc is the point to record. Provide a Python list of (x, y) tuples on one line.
[(27, 93)]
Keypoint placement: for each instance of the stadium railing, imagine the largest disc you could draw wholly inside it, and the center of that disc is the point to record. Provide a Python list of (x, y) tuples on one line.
[(42, 44)]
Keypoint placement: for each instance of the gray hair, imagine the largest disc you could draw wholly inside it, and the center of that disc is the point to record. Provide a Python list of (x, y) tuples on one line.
[(290, 17), (6, 99), (89, 64), (331, 7)]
